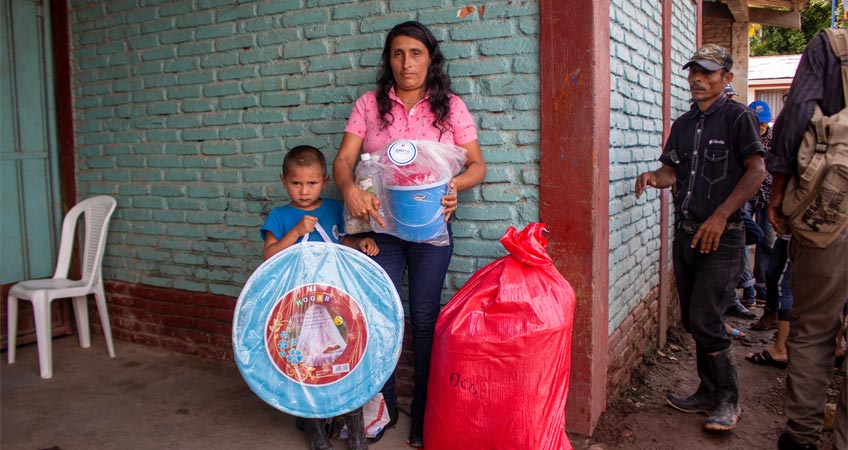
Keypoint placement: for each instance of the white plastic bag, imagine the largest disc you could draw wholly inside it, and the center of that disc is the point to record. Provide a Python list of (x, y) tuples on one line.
[(415, 177), (376, 417)]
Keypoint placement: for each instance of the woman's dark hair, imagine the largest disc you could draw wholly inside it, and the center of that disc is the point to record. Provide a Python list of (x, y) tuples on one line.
[(304, 156), (437, 83)]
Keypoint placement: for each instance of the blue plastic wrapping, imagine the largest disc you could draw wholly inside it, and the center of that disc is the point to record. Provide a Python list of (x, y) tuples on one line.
[(317, 330)]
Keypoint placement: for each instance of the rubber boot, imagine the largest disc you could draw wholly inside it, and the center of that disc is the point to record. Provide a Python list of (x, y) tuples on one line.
[(316, 431), (356, 430), (727, 412), (702, 401), (416, 429)]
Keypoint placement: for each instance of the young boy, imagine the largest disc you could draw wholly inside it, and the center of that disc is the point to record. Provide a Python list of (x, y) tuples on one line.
[(304, 177)]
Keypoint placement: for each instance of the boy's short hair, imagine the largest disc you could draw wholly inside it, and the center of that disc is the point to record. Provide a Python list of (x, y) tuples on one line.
[(304, 156)]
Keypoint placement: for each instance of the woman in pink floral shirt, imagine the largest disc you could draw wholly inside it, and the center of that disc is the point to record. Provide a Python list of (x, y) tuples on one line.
[(413, 100)]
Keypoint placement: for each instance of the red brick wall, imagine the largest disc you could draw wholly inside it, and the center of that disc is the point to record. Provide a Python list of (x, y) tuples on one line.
[(636, 335), (194, 323), (201, 324), (718, 32), (187, 322), (717, 25)]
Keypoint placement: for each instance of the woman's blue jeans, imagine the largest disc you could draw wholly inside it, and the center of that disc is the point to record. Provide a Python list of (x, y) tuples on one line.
[(426, 266)]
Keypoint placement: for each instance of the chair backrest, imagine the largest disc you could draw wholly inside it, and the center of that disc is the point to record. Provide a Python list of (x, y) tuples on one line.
[(98, 211)]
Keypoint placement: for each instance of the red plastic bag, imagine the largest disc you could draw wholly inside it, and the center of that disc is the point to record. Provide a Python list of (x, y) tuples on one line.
[(502, 355)]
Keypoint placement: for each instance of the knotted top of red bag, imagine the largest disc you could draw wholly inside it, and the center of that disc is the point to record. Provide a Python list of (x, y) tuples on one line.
[(528, 245)]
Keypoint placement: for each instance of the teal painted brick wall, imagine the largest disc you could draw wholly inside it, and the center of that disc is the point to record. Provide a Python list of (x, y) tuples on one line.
[(183, 110), (636, 141)]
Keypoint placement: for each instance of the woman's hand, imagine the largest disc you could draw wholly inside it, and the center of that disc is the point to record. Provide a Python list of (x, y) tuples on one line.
[(474, 173), (450, 201), (363, 204), (360, 203)]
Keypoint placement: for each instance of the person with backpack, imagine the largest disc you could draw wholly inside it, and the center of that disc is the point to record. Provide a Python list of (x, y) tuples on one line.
[(809, 162), (714, 159)]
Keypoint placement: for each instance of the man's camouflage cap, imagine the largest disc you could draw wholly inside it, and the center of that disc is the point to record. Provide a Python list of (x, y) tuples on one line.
[(711, 57)]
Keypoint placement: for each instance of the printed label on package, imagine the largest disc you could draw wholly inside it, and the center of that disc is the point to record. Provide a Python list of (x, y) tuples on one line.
[(402, 152), (316, 334)]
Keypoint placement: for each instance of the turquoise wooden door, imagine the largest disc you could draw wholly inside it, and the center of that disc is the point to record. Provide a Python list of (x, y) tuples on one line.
[(30, 212)]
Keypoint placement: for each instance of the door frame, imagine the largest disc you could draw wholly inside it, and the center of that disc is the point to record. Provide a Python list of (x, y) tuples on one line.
[(60, 33), (61, 37)]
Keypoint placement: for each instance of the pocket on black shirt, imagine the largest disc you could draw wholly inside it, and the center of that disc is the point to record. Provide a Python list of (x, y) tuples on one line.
[(716, 159)]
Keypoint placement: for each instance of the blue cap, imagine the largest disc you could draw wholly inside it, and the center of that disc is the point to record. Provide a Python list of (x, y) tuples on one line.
[(762, 109)]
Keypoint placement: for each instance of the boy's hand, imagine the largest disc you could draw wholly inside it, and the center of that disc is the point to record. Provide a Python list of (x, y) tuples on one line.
[(306, 225), (368, 246)]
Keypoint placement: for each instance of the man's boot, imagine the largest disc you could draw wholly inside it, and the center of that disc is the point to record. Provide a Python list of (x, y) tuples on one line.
[(727, 412), (356, 430), (316, 430), (702, 401)]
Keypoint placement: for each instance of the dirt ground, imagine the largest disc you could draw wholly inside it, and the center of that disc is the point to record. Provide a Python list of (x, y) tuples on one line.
[(640, 419)]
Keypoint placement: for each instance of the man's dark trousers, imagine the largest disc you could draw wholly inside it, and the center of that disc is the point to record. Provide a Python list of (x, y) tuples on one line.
[(705, 284)]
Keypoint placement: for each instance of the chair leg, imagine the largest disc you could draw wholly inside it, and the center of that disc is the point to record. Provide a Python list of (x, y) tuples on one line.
[(11, 327), (103, 312), (41, 312), (81, 314)]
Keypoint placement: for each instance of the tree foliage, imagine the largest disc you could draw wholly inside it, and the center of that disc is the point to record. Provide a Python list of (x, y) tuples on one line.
[(768, 40)]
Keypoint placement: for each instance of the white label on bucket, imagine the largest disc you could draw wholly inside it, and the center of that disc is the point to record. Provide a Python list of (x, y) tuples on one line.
[(402, 152)]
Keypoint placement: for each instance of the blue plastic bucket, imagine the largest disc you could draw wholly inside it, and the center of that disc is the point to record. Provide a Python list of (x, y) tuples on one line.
[(417, 210)]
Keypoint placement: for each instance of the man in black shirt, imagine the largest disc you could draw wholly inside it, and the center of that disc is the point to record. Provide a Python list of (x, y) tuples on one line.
[(714, 160), (819, 279)]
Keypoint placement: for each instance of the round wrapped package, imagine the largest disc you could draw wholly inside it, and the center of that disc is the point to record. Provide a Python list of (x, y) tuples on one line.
[(317, 330)]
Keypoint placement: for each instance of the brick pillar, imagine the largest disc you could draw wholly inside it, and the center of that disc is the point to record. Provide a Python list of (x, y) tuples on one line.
[(574, 191), (740, 50)]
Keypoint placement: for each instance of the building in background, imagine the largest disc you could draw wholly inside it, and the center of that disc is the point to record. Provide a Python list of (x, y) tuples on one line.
[(769, 78)]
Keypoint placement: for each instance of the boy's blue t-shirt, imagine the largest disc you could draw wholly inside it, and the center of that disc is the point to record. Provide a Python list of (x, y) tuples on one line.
[(284, 218)]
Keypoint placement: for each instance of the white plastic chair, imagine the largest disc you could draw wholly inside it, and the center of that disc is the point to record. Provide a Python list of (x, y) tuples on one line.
[(98, 210)]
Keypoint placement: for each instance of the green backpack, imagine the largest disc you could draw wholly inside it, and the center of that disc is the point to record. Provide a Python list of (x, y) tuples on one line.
[(815, 202)]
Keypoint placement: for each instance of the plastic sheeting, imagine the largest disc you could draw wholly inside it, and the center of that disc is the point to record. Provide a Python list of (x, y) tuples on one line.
[(502, 355), (416, 215), (317, 330)]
